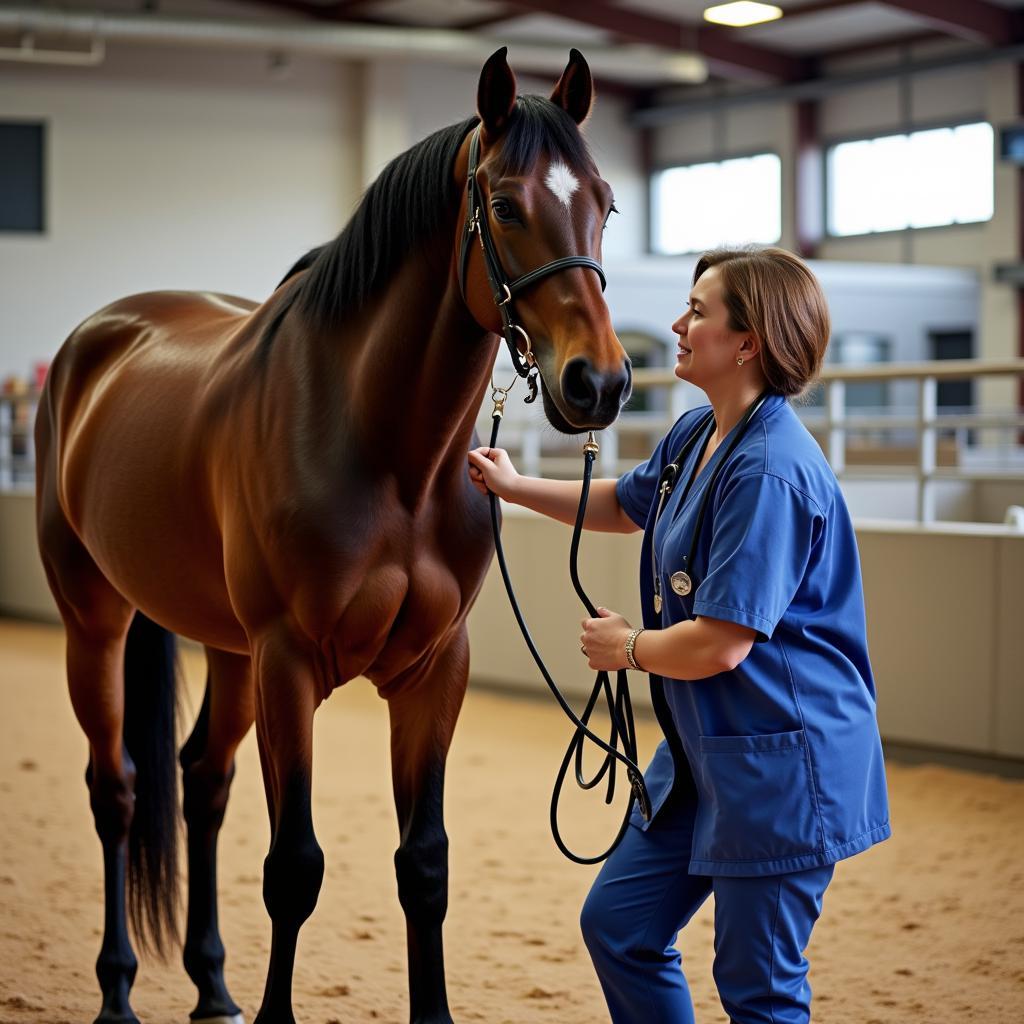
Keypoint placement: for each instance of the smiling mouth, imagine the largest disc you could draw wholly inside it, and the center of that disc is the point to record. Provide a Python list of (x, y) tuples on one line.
[(684, 351)]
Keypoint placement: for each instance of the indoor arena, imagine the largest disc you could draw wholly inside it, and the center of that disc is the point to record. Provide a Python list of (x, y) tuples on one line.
[(511, 511)]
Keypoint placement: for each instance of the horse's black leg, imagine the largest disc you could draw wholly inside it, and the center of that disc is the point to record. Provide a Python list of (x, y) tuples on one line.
[(96, 680), (110, 796), (207, 761), (287, 694), (423, 714)]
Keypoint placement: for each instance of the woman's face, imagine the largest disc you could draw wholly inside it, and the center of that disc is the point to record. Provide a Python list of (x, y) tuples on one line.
[(708, 347)]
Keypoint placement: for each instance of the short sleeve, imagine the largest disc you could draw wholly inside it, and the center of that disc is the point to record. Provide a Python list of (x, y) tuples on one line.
[(636, 489), (763, 533)]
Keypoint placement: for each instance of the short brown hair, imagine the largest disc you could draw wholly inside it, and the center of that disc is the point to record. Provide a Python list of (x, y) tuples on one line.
[(774, 295)]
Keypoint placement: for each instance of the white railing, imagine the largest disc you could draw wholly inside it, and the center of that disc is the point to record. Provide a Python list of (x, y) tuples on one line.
[(833, 422)]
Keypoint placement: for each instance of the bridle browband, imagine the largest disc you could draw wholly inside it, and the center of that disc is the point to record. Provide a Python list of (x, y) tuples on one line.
[(502, 289)]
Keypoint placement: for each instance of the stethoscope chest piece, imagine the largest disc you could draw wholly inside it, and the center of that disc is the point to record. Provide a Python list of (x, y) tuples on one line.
[(680, 583)]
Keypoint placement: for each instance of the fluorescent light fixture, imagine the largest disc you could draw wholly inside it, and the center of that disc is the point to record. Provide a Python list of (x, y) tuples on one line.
[(741, 13)]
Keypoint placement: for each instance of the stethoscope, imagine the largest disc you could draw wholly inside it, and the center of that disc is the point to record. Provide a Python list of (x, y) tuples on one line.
[(682, 581)]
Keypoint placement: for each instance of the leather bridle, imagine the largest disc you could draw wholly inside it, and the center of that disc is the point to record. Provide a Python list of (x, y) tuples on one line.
[(618, 704), (502, 289)]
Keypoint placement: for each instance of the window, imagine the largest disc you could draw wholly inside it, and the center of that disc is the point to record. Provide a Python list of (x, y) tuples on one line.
[(21, 177), (921, 180), (733, 202), (858, 348)]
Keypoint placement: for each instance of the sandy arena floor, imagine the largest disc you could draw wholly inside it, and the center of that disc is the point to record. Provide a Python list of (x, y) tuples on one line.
[(928, 927)]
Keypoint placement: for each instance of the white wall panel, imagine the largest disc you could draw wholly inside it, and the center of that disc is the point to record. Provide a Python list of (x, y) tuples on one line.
[(948, 95), (688, 140), (861, 111), (171, 170), (1008, 713)]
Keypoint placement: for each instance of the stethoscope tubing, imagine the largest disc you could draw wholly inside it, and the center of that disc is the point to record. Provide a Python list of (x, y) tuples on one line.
[(667, 480)]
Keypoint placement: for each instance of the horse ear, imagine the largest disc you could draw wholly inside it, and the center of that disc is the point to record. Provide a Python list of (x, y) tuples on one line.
[(574, 92), (496, 94)]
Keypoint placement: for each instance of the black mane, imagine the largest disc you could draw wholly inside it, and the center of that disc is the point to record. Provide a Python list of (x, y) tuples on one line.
[(410, 201)]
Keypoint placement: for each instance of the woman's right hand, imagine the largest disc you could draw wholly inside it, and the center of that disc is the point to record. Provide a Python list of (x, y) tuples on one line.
[(490, 469)]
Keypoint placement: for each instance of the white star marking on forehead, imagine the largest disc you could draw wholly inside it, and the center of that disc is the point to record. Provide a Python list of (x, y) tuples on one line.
[(562, 182)]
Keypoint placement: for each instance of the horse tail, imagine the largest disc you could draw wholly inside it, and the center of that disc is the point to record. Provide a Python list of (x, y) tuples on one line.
[(150, 706)]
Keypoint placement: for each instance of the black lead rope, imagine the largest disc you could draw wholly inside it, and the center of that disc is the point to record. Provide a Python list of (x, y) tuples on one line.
[(620, 709)]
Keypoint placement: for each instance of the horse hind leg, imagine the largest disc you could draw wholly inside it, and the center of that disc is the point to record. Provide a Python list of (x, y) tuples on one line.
[(423, 713), (98, 622), (208, 767), (94, 677)]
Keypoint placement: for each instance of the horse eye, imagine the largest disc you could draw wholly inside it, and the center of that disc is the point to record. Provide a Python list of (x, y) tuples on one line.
[(503, 209)]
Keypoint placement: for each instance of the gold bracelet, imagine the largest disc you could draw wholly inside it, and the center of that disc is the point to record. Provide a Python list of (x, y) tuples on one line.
[(631, 646)]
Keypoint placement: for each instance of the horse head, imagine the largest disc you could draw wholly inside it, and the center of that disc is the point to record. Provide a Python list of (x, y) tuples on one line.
[(540, 208)]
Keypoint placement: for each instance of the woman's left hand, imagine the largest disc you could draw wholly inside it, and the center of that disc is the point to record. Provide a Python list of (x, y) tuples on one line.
[(604, 640)]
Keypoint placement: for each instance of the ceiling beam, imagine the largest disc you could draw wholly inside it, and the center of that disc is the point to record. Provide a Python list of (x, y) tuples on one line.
[(340, 10), (344, 11), (881, 43), (977, 20), (725, 54), (506, 13)]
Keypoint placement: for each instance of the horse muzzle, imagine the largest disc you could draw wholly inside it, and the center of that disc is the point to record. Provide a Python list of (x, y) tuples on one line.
[(593, 398)]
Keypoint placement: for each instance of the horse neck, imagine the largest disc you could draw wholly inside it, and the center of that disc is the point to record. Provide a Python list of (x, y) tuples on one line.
[(413, 367)]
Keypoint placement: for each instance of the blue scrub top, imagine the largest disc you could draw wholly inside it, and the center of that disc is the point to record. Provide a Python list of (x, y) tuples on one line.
[(782, 754)]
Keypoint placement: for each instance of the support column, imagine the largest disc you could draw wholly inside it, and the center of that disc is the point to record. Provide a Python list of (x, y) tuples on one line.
[(385, 123), (808, 194)]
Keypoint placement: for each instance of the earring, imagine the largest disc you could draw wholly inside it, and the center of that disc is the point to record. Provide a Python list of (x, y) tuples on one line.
[(739, 362)]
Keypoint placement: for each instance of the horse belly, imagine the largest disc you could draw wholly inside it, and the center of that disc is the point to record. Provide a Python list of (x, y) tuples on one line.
[(170, 570), (142, 517)]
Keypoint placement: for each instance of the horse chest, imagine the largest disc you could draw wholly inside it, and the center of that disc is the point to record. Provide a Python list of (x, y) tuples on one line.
[(397, 614), (380, 588)]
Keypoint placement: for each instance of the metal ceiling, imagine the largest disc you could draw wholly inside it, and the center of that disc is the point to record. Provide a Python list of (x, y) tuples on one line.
[(789, 50)]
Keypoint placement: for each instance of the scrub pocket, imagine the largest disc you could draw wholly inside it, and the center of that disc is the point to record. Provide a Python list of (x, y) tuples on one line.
[(756, 799)]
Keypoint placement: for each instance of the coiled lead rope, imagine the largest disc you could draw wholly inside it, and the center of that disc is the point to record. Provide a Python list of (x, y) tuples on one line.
[(620, 710)]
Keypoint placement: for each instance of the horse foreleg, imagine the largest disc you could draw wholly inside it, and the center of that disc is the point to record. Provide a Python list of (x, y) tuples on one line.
[(287, 694), (423, 715), (208, 766)]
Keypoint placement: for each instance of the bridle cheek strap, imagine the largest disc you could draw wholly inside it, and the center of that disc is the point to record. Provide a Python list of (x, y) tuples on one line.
[(502, 289)]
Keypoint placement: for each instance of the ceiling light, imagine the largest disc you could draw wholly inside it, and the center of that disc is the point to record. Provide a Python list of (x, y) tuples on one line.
[(741, 13)]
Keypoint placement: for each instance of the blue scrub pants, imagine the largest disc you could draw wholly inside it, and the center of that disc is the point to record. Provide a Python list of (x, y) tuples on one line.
[(643, 896)]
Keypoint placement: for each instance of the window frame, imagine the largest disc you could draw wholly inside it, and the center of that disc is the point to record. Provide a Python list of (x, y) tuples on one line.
[(43, 231), (831, 141), (743, 154)]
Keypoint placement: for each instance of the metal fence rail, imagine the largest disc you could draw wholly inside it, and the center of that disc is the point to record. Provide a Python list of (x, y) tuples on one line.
[(833, 421)]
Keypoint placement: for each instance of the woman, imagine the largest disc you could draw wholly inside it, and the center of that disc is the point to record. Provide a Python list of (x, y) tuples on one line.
[(771, 769)]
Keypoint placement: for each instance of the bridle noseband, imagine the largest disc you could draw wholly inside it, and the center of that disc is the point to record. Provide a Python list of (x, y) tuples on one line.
[(502, 289)]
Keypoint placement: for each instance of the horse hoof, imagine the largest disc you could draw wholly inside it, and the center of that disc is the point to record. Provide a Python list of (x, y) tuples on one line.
[(235, 1018)]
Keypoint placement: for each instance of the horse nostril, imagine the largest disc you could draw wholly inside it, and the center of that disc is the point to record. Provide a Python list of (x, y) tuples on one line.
[(581, 383), (625, 390)]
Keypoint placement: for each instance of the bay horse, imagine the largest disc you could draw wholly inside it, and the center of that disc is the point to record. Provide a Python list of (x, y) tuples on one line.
[(287, 484)]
